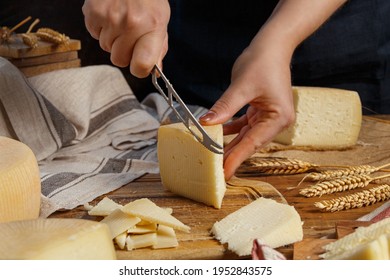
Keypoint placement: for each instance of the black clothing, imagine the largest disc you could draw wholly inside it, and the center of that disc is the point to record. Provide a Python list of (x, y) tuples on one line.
[(351, 50)]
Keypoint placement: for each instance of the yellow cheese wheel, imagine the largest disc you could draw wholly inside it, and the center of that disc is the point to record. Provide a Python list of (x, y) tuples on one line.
[(20, 184), (56, 239), (326, 118)]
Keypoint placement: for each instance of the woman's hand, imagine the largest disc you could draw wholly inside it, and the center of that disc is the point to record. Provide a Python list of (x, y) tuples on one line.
[(262, 80), (261, 77), (133, 31)]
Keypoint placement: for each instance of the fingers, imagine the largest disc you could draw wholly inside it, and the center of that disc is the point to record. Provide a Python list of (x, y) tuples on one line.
[(92, 26), (121, 50), (133, 31), (148, 51), (225, 107), (249, 140)]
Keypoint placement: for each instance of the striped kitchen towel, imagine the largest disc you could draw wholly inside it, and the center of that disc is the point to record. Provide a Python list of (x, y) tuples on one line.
[(86, 127)]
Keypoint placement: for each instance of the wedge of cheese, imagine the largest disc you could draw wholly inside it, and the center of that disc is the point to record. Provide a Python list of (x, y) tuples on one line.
[(56, 239), (272, 223), (325, 118), (371, 242), (189, 169), (20, 183)]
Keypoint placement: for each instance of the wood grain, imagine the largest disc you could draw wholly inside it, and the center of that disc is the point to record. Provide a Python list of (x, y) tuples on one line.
[(44, 59), (15, 48), (199, 243), (48, 67)]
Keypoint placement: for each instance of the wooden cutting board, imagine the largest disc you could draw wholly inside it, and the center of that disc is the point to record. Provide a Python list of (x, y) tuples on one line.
[(199, 243), (16, 49), (44, 58)]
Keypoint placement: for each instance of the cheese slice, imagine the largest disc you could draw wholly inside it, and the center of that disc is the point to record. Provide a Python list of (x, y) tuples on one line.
[(141, 229), (365, 242), (119, 222), (189, 169), (325, 118), (166, 238), (141, 241), (105, 207), (120, 240), (271, 223), (147, 210), (20, 183), (55, 239)]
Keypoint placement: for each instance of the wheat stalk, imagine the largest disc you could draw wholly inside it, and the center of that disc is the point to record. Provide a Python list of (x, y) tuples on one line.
[(5, 32), (352, 170), (275, 166), (50, 35), (356, 200), (30, 39), (339, 185)]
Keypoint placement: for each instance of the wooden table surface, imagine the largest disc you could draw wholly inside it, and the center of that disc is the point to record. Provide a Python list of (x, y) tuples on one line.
[(199, 243)]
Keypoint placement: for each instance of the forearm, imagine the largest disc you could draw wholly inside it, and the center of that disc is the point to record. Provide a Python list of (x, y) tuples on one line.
[(293, 21)]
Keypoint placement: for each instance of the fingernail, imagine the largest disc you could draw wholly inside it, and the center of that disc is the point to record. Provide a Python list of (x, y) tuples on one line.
[(209, 116)]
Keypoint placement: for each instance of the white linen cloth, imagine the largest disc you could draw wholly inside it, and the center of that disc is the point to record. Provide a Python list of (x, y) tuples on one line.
[(87, 129)]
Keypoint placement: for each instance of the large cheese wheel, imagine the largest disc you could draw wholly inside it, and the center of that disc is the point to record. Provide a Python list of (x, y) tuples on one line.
[(56, 239), (326, 118), (20, 184)]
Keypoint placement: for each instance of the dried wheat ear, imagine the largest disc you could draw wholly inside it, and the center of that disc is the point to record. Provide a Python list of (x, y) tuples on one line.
[(344, 171), (339, 185), (30, 39), (52, 36), (5, 32), (356, 200), (274, 166)]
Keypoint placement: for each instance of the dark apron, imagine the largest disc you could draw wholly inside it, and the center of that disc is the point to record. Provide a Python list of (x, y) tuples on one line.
[(351, 50)]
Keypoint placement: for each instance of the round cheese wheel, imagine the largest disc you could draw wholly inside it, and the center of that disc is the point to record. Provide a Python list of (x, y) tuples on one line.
[(20, 184), (56, 239)]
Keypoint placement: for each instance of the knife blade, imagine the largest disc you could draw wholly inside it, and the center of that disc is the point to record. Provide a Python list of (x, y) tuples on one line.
[(187, 118)]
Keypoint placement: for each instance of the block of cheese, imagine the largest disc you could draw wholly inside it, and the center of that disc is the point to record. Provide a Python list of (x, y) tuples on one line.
[(371, 242), (325, 118), (55, 239), (189, 169), (20, 183), (272, 223)]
